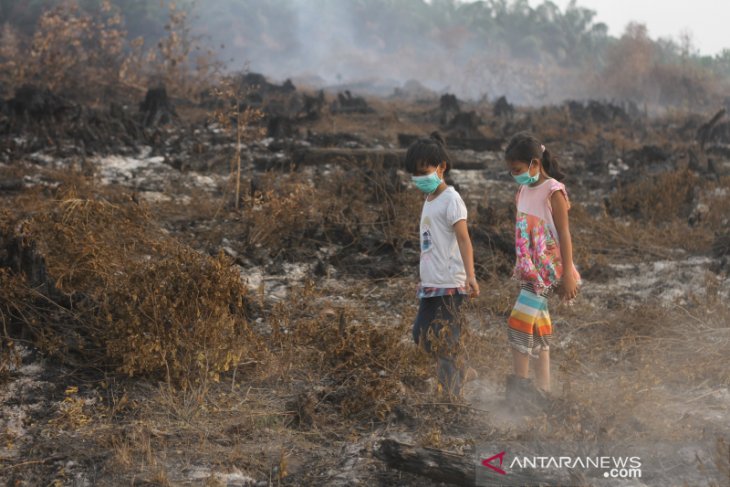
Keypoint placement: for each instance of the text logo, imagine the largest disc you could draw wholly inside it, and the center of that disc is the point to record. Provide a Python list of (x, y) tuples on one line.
[(487, 463)]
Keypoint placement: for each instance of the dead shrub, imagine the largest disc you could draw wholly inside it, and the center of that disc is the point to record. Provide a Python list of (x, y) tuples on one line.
[(694, 347), (290, 215), (621, 240), (173, 61), (74, 47), (685, 85), (280, 212), (493, 232), (369, 203), (71, 48), (658, 211), (366, 369), (237, 117), (657, 199), (129, 296), (9, 297)]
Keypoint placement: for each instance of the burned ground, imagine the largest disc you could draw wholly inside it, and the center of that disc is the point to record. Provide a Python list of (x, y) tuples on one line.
[(156, 334)]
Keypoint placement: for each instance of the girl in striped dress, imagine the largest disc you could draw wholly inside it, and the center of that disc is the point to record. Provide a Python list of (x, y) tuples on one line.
[(544, 260)]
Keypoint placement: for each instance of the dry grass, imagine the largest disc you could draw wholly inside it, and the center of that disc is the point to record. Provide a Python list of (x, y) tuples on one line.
[(127, 295), (331, 373), (324, 363), (333, 362)]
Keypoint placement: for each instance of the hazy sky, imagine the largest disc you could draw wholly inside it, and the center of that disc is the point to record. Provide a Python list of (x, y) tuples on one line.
[(707, 20)]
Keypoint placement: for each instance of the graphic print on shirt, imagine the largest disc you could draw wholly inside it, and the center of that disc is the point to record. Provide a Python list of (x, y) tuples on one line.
[(426, 240), (538, 253)]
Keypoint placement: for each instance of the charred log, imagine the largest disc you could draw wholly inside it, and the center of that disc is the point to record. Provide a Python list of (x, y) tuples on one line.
[(649, 154), (256, 82), (376, 157), (478, 144), (438, 465), (601, 112), (343, 140), (280, 127), (346, 103), (369, 157), (457, 469)]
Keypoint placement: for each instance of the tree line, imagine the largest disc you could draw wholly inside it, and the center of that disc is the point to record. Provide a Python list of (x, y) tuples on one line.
[(571, 39)]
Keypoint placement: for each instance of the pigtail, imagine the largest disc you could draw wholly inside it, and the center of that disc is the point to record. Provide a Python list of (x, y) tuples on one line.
[(524, 147), (551, 166), (430, 151), (435, 135)]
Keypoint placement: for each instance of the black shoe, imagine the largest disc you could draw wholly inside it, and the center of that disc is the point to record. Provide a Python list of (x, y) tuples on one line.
[(512, 389), (521, 391)]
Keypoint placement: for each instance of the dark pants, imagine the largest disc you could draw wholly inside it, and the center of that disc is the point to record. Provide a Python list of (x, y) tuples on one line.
[(441, 315)]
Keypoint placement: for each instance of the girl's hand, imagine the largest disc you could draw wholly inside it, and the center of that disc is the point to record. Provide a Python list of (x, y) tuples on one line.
[(568, 286), (472, 287)]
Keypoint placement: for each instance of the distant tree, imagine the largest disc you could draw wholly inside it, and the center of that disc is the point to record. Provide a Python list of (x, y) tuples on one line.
[(23, 14), (721, 63), (483, 40), (629, 62)]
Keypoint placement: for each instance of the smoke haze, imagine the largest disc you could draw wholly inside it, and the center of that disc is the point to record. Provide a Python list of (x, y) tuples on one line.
[(444, 46)]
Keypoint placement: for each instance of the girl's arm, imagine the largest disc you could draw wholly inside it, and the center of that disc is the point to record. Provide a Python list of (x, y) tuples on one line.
[(467, 255), (560, 217)]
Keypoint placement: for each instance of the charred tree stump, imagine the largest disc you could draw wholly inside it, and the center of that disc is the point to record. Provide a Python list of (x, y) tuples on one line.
[(31, 103), (503, 108), (313, 106), (448, 108), (156, 108), (698, 159), (280, 127), (465, 125), (704, 132), (22, 257)]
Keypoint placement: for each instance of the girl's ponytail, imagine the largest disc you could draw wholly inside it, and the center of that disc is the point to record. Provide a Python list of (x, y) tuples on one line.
[(524, 147), (429, 152), (435, 135), (551, 166)]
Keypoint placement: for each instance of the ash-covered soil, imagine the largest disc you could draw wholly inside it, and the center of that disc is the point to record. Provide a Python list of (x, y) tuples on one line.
[(324, 237)]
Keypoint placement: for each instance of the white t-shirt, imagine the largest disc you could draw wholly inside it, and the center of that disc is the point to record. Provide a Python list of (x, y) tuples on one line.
[(441, 264)]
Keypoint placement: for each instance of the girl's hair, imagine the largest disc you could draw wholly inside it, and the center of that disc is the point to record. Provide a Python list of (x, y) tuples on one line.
[(427, 152), (524, 147)]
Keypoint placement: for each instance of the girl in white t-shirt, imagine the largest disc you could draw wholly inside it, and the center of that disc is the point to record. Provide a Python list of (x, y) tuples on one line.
[(446, 264), (544, 261)]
